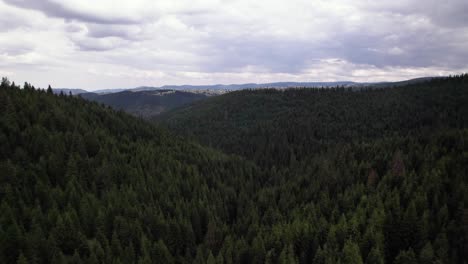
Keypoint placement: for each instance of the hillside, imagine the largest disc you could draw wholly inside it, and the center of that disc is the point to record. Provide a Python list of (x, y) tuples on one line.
[(67, 91), (145, 104), (330, 179), (280, 85), (271, 126), (81, 183), (386, 163)]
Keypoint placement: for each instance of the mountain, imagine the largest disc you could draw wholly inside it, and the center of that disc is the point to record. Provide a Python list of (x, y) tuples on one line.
[(245, 122), (375, 168), (145, 103), (235, 87), (148, 102), (68, 91), (279, 85), (402, 83), (83, 183), (114, 90), (216, 88), (315, 176)]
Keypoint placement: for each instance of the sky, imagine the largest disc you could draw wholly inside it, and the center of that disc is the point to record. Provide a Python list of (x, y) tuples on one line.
[(100, 44)]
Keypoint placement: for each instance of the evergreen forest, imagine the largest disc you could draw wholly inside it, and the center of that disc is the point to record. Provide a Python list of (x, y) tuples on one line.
[(303, 175)]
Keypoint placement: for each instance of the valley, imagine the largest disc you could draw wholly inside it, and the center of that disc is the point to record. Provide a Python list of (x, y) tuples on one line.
[(252, 176)]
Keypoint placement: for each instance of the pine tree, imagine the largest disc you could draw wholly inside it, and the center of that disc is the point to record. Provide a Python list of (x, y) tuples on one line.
[(11, 243), (406, 257), (320, 256), (116, 246), (199, 257), (351, 253), (92, 259), (375, 256), (441, 247), (75, 259), (210, 259), (58, 258), (5, 83), (22, 259), (287, 255), (161, 253), (258, 250), (426, 255), (219, 259)]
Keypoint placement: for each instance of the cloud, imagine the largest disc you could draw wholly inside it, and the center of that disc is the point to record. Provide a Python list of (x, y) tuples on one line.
[(98, 44), (113, 11), (130, 32), (59, 10), (450, 13), (118, 43), (13, 48)]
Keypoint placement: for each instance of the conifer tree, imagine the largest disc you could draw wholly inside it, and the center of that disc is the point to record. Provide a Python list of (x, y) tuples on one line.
[(351, 253)]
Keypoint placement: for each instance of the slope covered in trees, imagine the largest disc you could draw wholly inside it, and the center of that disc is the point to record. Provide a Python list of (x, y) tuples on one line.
[(145, 104), (274, 127), (82, 183), (377, 175)]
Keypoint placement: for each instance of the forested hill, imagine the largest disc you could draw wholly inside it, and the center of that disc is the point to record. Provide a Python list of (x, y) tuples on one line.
[(80, 183), (275, 127), (374, 176), (145, 104)]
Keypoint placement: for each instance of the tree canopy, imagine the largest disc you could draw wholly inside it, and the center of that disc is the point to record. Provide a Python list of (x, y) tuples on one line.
[(265, 176)]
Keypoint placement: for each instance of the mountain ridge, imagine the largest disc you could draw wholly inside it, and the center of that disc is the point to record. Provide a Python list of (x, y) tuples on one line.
[(234, 87), (146, 103), (318, 176)]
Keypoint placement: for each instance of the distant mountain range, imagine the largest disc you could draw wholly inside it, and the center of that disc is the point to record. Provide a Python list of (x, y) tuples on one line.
[(148, 102), (68, 91), (233, 87)]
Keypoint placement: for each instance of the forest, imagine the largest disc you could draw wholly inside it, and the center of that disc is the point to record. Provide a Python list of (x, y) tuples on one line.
[(146, 104), (254, 176)]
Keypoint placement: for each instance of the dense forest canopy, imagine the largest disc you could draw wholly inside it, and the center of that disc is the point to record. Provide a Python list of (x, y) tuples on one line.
[(340, 149), (311, 176), (146, 104), (82, 183), (274, 126)]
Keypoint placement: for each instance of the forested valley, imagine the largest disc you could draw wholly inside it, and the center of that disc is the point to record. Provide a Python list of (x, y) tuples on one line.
[(254, 176)]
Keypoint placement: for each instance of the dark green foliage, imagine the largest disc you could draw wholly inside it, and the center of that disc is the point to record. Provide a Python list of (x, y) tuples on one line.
[(335, 176), (406, 257), (80, 183), (145, 104), (280, 127), (370, 175), (351, 253), (427, 254)]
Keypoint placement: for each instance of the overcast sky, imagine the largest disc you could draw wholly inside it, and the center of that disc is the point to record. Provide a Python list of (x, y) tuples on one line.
[(96, 44)]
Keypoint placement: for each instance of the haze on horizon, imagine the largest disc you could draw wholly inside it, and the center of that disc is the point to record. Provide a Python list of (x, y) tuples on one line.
[(103, 44)]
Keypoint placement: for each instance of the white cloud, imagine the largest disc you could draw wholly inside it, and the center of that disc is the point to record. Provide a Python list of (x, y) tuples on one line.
[(121, 43)]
